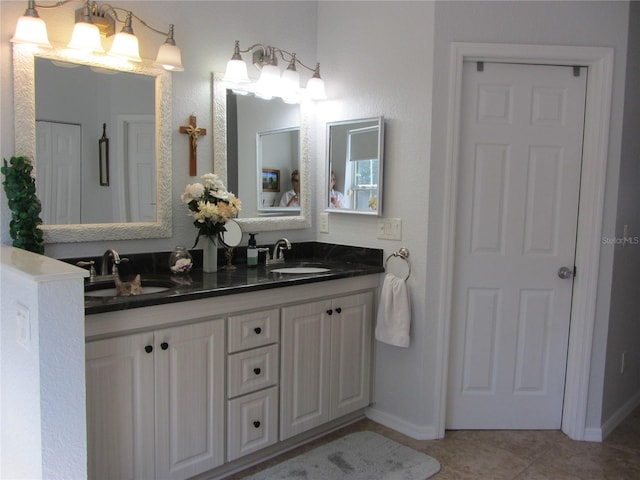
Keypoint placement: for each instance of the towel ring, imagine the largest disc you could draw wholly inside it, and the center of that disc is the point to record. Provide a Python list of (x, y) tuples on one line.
[(403, 253)]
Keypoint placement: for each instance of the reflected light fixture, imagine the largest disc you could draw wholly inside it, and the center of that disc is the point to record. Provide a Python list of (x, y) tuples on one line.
[(271, 82), (92, 21)]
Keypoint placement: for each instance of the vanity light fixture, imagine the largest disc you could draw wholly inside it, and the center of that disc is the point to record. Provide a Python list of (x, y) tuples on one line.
[(92, 21), (271, 83)]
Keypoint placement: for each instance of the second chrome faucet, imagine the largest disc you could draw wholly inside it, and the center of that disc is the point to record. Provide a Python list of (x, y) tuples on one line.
[(276, 253)]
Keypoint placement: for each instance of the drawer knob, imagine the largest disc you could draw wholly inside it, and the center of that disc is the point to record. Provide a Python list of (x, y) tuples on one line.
[(258, 330), (164, 345), (148, 349), (339, 309), (329, 312), (257, 371), (256, 424)]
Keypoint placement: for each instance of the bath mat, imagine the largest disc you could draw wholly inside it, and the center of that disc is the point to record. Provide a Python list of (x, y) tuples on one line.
[(357, 456)]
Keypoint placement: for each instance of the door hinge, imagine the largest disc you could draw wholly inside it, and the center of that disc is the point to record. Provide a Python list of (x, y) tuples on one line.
[(480, 66), (575, 271), (576, 70)]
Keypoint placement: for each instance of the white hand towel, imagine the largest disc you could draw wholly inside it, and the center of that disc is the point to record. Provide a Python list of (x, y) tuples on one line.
[(394, 312)]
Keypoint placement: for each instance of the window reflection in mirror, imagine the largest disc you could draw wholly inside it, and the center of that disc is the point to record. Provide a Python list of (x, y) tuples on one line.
[(261, 134), (75, 105), (355, 151)]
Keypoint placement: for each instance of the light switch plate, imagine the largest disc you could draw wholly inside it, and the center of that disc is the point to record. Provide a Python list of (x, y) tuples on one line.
[(324, 223), (23, 326), (389, 229)]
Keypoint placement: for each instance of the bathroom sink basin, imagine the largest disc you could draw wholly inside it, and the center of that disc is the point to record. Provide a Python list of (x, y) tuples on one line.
[(300, 270), (108, 289)]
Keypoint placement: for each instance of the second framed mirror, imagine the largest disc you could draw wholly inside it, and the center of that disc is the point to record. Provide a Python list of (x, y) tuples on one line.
[(355, 151)]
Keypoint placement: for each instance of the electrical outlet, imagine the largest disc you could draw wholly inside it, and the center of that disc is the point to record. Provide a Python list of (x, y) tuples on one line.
[(324, 223), (23, 326)]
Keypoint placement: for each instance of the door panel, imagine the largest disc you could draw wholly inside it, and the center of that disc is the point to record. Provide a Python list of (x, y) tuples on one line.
[(521, 152)]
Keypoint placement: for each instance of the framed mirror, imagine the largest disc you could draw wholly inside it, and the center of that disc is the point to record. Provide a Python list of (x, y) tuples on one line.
[(355, 151), (275, 116), (82, 221)]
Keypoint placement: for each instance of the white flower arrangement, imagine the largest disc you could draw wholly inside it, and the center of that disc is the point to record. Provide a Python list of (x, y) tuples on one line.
[(210, 205)]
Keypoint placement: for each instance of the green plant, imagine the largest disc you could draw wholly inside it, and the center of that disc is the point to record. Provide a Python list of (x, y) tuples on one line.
[(25, 207)]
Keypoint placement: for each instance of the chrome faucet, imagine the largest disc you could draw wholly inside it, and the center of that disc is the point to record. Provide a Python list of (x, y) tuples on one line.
[(104, 269), (282, 244)]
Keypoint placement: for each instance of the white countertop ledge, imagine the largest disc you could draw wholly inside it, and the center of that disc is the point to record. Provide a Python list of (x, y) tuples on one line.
[(38, 268)]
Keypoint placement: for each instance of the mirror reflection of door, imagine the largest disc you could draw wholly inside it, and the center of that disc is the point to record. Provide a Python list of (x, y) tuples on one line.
[(246, 117), (278, 153), (361, 174), (58, 172)]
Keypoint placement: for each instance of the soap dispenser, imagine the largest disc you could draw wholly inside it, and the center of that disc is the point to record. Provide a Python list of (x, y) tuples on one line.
[(252, 251)]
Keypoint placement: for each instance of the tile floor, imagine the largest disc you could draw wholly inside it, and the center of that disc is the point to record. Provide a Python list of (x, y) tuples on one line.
[(513, 455)]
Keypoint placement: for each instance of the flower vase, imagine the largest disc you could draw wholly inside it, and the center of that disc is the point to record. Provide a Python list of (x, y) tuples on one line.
[(210, 255)]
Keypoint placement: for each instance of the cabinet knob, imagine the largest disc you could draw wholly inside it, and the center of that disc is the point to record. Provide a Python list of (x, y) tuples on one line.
[(329, 312), (256, 424), (148, 349), (258, 330), (164, 345), (339, 309), (257, 371)]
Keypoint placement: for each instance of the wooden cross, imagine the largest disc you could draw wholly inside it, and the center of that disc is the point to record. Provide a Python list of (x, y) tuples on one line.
[(193, 132)]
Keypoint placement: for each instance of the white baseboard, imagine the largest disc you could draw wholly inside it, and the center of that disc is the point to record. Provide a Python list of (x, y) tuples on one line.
[(426, 432), (618, 416)]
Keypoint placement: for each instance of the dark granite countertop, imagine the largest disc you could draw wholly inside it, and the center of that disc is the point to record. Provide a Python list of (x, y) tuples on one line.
[(342, 261)]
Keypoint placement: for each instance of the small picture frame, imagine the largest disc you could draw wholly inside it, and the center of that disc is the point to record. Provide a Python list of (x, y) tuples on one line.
[(270, 180)]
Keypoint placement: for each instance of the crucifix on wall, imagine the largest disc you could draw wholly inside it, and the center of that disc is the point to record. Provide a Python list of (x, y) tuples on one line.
[(193, 132)]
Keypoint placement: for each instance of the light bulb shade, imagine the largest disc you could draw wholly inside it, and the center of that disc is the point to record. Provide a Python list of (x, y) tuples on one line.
[(125, 45), (269, 81), (315, 89), (169, 58), (86, 37), (290, 83), (236, 72), (31, 30)]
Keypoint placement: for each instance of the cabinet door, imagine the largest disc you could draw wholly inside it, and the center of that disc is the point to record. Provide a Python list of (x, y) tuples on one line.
[(253, 422), (189, 374), (305, 363), (350, 353), (120, 414)]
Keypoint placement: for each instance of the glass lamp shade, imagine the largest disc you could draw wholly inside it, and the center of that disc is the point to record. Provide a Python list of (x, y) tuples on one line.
[(31, 30), (236, 72), (125, 45), (315, 89), (290, 83), (269, 82), (169, 58), (86, 37)]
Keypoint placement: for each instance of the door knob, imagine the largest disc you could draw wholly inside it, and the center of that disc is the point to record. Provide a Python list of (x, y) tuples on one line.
[(565, 272)]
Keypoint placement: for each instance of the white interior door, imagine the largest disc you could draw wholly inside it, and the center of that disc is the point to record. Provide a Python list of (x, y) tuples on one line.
[(140, 160), (58, 172), (519, 182)]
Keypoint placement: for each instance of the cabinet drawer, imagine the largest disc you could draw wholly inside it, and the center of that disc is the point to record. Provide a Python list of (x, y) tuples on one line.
[(252, 330), (252, 423), (252, 370)]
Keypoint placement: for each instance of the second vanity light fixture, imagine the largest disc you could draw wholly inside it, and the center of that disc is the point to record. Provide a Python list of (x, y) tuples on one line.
[(93, 20), (271, 83)]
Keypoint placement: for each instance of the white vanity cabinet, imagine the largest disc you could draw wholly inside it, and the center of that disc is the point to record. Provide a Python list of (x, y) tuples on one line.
[(326, 356), (155, 404), (201, 388)]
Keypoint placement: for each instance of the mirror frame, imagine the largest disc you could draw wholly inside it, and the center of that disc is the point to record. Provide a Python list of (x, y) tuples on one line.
[(378, 211), (25, 144), (263, 224)]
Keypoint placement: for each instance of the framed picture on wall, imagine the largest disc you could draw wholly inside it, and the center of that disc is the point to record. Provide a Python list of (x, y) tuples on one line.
[(270, 180)]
